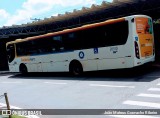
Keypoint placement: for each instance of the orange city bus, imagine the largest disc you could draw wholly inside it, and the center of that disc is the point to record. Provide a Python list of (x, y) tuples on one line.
[(112, 44)]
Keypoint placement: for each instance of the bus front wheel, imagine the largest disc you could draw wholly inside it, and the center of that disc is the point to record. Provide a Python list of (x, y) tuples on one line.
[(23, 69), (76, 68)]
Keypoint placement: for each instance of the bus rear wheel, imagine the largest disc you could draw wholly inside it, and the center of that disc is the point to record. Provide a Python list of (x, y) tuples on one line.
[(76, 68), (23, 69)]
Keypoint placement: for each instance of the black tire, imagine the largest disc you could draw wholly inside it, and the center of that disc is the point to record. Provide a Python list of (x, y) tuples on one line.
[(23, 69), (76, 69)]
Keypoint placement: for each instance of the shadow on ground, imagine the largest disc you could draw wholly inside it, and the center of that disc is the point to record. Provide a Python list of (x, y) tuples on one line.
[(134, 74)]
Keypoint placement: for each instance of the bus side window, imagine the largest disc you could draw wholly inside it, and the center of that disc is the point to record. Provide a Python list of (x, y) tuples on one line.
[(68, 40), (58, 44), (71, 38), (94, 37), (22, 48), (32, 47), (73, 41), (44, 45), (116, 34)]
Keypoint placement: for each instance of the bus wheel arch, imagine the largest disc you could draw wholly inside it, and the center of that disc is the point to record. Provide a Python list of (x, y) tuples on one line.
[(75, 68), (23, 68)]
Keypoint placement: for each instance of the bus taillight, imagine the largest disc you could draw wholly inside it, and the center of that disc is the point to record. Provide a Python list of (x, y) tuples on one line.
[(136, 50)]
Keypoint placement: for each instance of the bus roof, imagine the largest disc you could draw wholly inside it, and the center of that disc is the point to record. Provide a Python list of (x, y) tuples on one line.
[(88, 26)]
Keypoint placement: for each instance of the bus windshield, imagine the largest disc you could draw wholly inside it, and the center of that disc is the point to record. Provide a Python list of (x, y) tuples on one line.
[(10, 52)]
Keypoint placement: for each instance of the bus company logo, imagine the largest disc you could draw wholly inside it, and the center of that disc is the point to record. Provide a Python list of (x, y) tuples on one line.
[(27, 59), (114, 49), (81, 55)]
